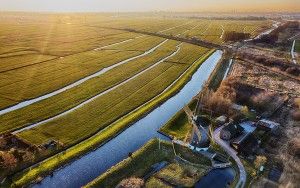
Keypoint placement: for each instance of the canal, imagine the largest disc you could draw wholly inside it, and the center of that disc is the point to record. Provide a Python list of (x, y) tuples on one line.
[(94, 163)]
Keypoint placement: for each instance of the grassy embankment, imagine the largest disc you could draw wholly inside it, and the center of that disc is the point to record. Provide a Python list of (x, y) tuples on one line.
[(178, 174), (39, 79), (140, 164), (55, 105), (54, 162), (179, 125), (137, 165)]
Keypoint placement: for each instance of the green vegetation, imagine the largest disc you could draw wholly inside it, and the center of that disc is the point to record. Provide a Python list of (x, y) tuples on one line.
[(181, 175), (195, 158), (72, 97), (138, 165), (178, 127), (54, 162), (46, 76), (155, 182), (84, 122), (48, 45)]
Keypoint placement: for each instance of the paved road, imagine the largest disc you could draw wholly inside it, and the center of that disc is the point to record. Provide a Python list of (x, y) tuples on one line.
[(293, 52), (233, 154)]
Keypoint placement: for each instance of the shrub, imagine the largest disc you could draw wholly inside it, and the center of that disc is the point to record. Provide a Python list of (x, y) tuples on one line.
[(296, 115), (8, 160), (131, 183), (235, 36), (263, 101)]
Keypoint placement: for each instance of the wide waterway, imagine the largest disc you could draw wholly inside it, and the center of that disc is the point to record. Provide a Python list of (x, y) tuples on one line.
[(92, 164)]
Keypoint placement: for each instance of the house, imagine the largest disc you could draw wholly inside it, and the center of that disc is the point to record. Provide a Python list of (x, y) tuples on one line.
[(245, 144), (268, 125), (231, 131)]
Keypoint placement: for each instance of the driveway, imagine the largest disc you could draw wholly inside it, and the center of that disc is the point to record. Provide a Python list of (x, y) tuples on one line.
[(233, 154)]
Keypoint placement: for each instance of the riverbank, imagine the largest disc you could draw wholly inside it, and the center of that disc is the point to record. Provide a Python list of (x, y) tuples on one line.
[(178, 126), (137, 165), (141, 162), (110, 132)]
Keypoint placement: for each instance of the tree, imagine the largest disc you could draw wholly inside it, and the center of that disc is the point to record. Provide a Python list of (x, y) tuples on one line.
[(259, 161), (8, 160), (3, 142)]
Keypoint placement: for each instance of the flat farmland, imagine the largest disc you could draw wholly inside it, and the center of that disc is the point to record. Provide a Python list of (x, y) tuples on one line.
[(70, 98), (212, 30), (41, 78), (99, 113), (79, 79)]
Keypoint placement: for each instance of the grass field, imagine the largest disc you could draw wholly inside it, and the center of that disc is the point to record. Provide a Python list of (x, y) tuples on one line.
[(49, 107), (38, 79), (178, 127), (50, 164), (41, 54), (90, 118), (139, 165), (36, 50)]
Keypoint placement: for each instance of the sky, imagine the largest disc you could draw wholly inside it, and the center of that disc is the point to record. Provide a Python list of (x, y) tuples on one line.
[(151, 5)]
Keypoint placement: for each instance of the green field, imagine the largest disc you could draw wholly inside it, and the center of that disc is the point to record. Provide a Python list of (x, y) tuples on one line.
[(139, 165), (48, 108), (178, 127), (41, 53), (89, 119)]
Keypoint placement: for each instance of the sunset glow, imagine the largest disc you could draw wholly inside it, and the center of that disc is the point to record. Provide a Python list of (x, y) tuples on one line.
[(151, 5)]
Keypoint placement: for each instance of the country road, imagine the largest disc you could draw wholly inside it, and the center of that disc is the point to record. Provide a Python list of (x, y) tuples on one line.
[(233, 154)]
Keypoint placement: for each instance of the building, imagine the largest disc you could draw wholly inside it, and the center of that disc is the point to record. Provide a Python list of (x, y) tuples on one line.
[(268, 125), (245, 144), (231, 131)]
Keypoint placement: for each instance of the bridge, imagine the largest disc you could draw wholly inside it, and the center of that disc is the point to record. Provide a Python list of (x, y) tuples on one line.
[(221, 165)]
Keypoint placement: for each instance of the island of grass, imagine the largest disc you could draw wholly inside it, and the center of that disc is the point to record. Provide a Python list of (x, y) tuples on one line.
[(177, 127), (156, 163)]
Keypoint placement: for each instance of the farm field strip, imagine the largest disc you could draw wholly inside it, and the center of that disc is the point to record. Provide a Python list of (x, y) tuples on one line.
[(113, 105), (102, 71), (35, 89), (9, 63), (211, 30), (35, 58), (180, 29), (80, 60), (100, 94), (41, 79), (30, 35), (57, 104)]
